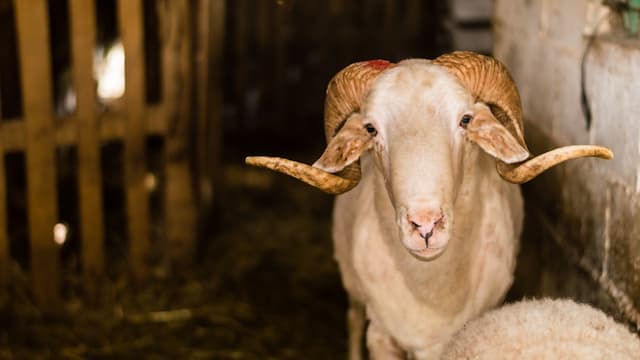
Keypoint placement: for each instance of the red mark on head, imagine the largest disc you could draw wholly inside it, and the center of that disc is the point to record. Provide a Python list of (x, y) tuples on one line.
[(378, 64)]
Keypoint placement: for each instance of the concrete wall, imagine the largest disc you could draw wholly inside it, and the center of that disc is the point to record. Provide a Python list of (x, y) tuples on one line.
[(468, 25), (582, 233)]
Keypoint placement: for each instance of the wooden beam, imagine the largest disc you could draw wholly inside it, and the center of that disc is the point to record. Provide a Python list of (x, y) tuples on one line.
[(35, 65), (13, 135), (83, 35), (130, 19), (111, 126)]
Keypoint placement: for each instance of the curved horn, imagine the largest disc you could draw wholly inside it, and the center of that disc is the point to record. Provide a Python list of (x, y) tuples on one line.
[(489, 81), (345, 94), (327, 182), (527, 170)]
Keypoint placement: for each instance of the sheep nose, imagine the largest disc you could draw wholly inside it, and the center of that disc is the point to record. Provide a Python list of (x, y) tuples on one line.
[(422, 230), (425, 225)]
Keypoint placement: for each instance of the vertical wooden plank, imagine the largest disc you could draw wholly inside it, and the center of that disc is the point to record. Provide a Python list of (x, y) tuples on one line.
[(203, 37), (6, 62), (35, 64), (83, 35), (265, 27), (179, 197), (4, 235), (281, 99), (240, 46), (214, 141), (131, 23), (210, 38), (264, 22)]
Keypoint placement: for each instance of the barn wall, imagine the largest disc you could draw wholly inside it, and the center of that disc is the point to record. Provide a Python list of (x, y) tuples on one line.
[(582, 233)]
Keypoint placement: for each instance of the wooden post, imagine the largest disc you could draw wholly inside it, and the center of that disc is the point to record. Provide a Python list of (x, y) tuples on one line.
[(35, 64), (203, 72), (179, 198), (265, 25), (210, 39), (131, 23), (240, 43), (5, 258), (83, 35), (283, 20), (214, 141)]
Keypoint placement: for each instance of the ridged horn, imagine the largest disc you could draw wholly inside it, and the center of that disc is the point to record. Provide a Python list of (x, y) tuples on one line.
[(345, 94), (489, 81), (527, 170)]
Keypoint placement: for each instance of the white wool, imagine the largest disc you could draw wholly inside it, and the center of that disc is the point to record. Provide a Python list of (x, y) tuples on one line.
[(544, 329)]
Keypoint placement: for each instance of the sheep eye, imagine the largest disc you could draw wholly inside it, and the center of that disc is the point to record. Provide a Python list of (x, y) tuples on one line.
[(370, 129), (466, 119)]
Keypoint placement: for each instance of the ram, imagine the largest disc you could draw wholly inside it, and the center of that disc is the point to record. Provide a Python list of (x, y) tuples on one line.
[(425, 230)]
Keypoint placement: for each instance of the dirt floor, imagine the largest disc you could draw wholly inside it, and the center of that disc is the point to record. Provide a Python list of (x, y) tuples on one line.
[(266, 288)]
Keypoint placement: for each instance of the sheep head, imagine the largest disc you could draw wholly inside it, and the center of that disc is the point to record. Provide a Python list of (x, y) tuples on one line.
[(421, 120)]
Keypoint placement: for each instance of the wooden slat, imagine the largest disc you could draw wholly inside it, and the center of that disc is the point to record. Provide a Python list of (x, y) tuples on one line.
[(157, 120), (281, 98), (35, 64), (202, 80), (13, 135), (4, 235), (240, 48), (111, 127), (66, 132), (214, 95), (83, 35), (265, 24), (180, 212), (131, 30)]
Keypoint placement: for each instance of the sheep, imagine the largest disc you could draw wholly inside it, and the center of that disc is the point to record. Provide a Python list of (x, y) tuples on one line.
[(543, 329), (411, 149)]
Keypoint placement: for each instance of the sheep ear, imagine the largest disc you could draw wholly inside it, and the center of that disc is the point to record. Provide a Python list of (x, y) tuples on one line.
[(486, 131), (346, 146)]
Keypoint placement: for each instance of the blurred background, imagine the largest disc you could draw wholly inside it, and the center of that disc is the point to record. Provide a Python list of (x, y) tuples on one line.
[(130, 227)]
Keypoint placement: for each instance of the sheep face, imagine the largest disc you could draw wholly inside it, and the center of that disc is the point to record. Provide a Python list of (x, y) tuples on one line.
[(415, 122)]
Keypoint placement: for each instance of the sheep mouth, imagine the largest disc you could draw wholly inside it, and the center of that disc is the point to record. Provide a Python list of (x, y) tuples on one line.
[(428, 253)]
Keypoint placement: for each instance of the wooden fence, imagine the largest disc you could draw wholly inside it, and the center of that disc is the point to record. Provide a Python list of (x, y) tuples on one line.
[(190, 42)]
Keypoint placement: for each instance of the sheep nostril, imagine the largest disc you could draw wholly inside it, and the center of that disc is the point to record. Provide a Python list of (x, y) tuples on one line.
[(426, 237), (415, 225)]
